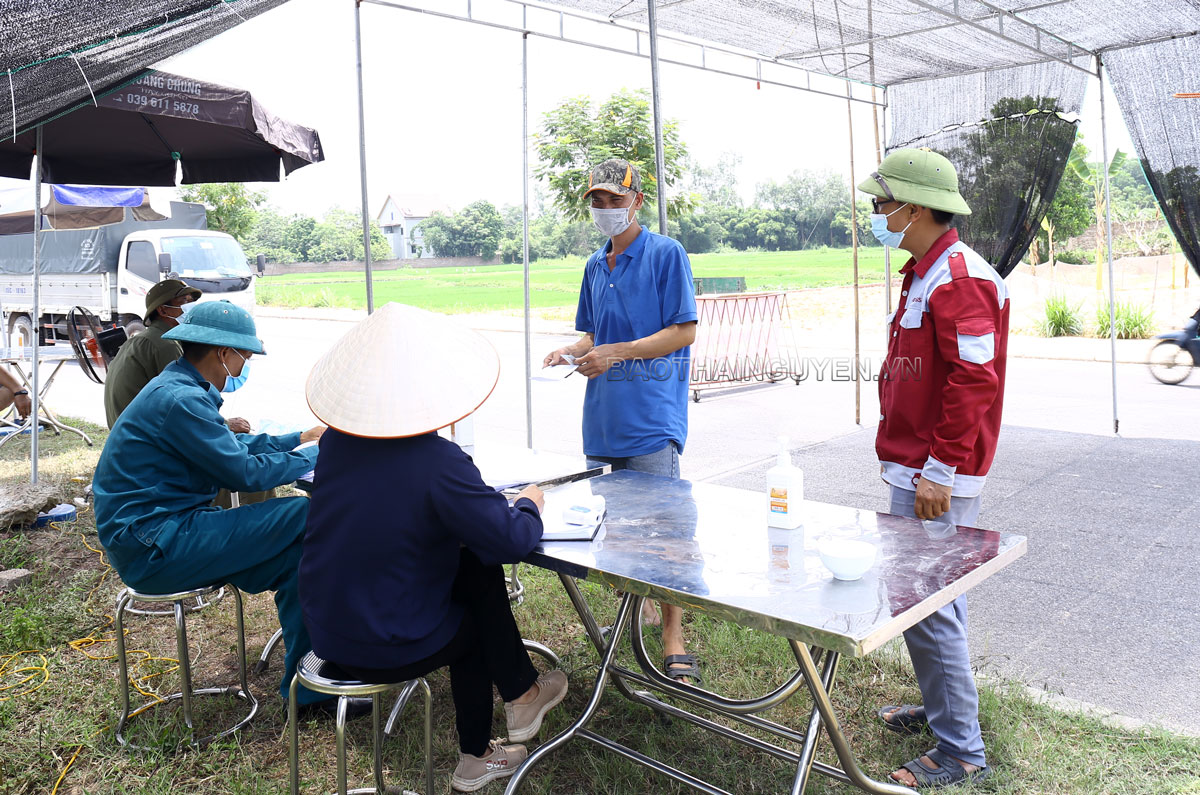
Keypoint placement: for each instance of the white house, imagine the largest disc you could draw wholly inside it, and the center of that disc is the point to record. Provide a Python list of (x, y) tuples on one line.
[(400, 220)]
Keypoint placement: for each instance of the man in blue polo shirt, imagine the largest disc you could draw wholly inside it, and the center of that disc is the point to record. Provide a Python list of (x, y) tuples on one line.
[(637, 312)]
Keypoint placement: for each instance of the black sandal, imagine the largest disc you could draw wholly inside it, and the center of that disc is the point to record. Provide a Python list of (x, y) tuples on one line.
[(950, 772), (904, 718), (691, 672)]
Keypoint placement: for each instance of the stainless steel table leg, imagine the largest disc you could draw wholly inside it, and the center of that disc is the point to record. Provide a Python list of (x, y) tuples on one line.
[(813, 733), (516, 589), (623, 616), (833, 728)]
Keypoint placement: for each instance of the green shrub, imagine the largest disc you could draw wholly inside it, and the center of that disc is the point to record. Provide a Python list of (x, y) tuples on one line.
[(1062, 319), (1071, 256), (1133, 321)]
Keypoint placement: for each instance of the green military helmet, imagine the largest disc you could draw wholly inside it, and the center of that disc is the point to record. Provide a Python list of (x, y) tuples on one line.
[(917, 176), (218, 323), (167, 290)]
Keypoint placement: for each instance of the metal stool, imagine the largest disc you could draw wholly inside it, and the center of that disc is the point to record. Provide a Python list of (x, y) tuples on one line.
[(308, 673), (264, 659), (199, 604), (186, 692)]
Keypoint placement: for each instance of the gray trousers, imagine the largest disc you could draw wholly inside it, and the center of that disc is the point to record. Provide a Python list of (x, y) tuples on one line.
[(663, 462), (938, 648)]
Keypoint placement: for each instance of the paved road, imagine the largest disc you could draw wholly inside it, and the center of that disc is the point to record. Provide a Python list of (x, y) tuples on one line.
[(1104, 603)]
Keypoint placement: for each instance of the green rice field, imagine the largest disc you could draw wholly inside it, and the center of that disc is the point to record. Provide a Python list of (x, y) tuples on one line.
[(554, 283)]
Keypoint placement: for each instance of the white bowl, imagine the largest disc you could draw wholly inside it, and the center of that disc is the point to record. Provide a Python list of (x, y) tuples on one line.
[(846, 558)]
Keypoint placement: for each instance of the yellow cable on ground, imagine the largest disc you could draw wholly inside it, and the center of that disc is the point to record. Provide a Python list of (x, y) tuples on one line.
[(33, 671), (82, 645)]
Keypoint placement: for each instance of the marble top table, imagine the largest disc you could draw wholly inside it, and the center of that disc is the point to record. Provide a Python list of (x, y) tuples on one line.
[(708, 547)]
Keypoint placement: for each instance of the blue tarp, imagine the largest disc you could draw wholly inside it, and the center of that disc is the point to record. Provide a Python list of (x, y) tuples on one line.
[(94, 196)]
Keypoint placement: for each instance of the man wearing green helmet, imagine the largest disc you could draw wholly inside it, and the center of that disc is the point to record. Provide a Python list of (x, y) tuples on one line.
[(938, 429), (169, 453)]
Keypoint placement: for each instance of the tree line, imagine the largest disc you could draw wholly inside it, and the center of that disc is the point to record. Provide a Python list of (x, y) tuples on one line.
[(706, 212)]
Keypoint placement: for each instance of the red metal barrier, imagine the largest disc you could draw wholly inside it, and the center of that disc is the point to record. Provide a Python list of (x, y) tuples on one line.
[(742, 338)]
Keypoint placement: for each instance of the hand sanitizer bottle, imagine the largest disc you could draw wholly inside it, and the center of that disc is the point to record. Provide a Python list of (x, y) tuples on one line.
[(785, 490)]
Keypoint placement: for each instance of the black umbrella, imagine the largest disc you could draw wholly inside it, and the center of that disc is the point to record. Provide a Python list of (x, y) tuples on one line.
[(136, 134)]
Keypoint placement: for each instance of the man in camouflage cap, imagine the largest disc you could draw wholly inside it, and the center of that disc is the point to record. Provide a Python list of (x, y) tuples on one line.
[(637, 312), (938, 430)]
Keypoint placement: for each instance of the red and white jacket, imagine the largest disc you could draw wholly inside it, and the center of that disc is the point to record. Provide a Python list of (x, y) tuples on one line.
[(941, 389)]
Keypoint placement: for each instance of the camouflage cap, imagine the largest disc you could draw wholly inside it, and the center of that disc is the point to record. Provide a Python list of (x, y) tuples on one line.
[(615, 176), (167, 290)]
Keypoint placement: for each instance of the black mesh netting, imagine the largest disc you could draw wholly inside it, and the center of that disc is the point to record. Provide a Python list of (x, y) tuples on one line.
[(55, 53), (1009, 135), (1165, 128), (889, 41)]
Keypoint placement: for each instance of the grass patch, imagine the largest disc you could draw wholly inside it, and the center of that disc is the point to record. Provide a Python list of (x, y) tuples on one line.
[(553, 283), (1061, 318), (1132, 321), (1034, 748)]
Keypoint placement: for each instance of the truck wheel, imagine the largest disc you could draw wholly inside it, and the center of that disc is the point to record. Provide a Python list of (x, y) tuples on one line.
[(20, 332), (134, 326)]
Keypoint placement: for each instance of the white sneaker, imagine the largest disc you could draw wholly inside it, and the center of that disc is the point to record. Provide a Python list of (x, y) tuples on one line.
[(525, 720), (500, 761)]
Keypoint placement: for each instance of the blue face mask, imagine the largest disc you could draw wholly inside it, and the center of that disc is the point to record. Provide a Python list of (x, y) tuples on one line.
[(235, 382), (879, 228)]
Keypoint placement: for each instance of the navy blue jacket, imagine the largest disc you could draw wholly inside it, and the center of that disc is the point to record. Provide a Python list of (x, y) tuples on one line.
[(387, 520)]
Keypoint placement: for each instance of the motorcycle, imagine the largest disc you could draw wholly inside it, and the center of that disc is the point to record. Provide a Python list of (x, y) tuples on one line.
[(1172, 359)]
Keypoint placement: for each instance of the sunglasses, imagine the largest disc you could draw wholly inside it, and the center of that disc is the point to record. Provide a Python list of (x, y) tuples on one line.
[(877, 203)]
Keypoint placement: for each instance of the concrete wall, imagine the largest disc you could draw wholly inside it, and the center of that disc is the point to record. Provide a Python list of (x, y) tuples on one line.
[(278, 269)]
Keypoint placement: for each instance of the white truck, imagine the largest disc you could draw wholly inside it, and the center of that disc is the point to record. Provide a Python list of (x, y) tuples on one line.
[(108, 269)]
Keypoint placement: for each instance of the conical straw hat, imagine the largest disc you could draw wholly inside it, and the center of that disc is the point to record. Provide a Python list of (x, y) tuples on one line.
[(402, 372)]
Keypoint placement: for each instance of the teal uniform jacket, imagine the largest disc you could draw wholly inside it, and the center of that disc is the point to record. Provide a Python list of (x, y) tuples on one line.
[(167, 456)]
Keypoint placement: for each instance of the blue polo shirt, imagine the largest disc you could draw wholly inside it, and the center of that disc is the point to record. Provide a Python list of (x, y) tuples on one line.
[(637, 407)]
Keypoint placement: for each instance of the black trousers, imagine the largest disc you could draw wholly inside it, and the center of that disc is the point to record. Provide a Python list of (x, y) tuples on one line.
[(487, 650)]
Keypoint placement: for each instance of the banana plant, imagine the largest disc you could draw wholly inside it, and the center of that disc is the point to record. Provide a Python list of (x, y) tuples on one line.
[(1093, 177)]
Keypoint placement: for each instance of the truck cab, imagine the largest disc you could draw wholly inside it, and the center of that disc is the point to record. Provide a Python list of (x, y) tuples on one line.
[(108, 269), (212, 262)]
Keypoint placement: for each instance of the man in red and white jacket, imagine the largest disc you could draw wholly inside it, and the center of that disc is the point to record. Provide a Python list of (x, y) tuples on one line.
[(940, 394)]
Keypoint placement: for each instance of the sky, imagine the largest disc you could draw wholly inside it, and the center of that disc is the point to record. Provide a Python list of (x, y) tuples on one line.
[(443, 104)]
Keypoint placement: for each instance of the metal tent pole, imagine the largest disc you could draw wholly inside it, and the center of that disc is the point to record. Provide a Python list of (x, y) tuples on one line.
[(525, 232), (659, 156), (887, 252), (35, 393), (854, 257), (362, 156), (1112, 306)]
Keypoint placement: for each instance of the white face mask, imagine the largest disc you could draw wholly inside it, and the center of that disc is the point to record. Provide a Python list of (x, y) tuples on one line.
[(612, 222)]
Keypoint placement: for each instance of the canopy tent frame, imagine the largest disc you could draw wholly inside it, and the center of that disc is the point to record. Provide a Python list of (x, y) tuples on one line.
[(622, 21)]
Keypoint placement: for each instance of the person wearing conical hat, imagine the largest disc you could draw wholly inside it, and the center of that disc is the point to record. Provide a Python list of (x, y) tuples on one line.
[(168, 455), (941, 392), (637, 312), (401, 573)]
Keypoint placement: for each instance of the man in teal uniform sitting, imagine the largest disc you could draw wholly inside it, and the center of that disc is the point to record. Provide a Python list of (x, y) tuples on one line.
[(168, 455)]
